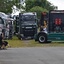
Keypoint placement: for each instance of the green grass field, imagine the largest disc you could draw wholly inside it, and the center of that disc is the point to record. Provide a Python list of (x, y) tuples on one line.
[(15, 42)]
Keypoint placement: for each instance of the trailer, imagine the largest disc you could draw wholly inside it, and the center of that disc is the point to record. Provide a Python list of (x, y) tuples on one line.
[(51, 26)]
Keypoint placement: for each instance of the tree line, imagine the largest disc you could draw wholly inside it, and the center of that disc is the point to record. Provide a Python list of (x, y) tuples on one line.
[(31, 5)]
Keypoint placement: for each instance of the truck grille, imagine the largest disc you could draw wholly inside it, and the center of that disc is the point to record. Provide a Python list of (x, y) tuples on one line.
[(28, 32)]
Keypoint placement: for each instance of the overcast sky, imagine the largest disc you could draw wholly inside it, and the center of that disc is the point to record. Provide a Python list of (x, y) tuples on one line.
[(58, 3)]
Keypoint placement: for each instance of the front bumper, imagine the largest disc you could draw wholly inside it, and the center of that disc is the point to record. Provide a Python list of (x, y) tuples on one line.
[(29, 31)]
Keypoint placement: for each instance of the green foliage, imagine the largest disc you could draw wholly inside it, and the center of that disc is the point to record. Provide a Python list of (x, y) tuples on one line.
[(38, 10), (6, 5), (50, 6), (39, 6), (42, 3)]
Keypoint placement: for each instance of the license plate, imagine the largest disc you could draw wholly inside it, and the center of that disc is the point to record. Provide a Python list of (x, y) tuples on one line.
[(28, 27)]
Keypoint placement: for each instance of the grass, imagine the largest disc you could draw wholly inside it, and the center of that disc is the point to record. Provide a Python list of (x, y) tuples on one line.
[(15, 42)]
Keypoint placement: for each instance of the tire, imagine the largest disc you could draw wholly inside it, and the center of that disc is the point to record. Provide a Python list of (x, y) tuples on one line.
[(42, 38), (19, 37), (23, 38)]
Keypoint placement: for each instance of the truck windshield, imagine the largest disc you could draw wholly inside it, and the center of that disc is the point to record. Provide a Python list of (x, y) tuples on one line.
[(28, 18), (1, 21)]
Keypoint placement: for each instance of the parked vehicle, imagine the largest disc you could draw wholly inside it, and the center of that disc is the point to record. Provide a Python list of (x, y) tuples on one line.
[(17, 25), (2, 26), (9, 29), (6, 25), (51, 26), (27, 25)]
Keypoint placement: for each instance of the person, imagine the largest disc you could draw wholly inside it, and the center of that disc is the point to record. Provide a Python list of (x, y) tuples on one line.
[(45, 27), (3, 43)]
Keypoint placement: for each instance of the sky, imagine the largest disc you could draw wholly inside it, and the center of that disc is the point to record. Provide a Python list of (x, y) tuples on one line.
[(58, 3)]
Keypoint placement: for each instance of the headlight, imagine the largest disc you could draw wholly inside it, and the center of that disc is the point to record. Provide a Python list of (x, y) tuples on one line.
[(34, 26)]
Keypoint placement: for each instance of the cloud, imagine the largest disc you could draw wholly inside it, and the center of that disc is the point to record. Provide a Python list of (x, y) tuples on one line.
[(58, 3)]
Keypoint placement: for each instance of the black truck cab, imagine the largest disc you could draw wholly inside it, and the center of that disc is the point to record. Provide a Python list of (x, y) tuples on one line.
[(27, 25)]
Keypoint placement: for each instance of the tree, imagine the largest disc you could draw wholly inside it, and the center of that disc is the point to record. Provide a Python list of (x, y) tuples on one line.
[(42, 3), (50, 6), (6, 5), (29, 4), (39, 6), (38, 10)]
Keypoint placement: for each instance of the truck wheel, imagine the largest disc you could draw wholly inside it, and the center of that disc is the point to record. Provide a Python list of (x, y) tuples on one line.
[(19, 37), (42, 38), (23, 38)]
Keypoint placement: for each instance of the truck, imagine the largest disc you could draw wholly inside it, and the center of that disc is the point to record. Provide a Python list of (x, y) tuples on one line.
[(27, 25), (17, 25), (6, 28), (51, 26), (9, 28), (1, 25)]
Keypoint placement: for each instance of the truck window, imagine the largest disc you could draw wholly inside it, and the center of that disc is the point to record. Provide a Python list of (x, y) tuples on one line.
[(28, 18), (1, 21)]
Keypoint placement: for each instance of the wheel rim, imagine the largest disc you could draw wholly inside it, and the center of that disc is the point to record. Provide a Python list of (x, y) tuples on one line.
[(41, 38)]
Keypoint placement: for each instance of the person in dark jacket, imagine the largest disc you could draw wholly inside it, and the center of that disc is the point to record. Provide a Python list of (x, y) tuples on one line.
[(3, 43)]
